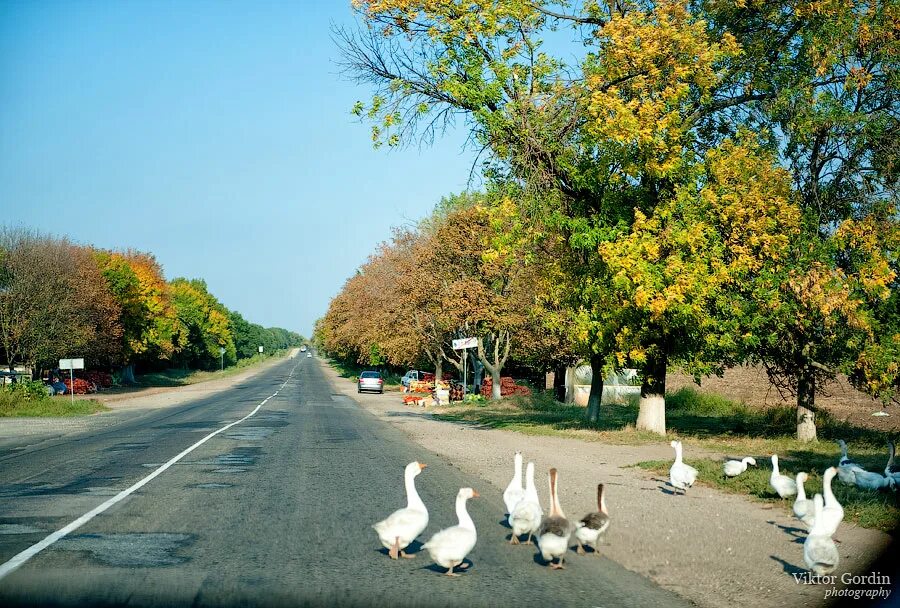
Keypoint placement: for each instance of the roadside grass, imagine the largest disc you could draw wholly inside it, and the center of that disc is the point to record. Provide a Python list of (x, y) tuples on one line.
[(866, 508), (12, 405), (184, 377), (351, 371), (714, 426)]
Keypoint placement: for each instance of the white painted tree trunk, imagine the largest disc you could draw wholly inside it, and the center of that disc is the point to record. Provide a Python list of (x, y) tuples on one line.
[(495, 384), (652, 414), (806, 414)]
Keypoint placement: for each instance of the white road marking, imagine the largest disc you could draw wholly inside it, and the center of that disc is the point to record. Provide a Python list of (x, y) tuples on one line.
[(33, 550)]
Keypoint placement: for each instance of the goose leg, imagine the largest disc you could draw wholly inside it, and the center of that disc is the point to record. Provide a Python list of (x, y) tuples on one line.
[(394, 551), (407, 555), (528, 542), (450, 570), (513, 539), (580, 549), (558, 566)]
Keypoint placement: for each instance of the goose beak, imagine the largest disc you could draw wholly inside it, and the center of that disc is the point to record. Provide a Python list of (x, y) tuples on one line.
[(422, 465), (475, 494)]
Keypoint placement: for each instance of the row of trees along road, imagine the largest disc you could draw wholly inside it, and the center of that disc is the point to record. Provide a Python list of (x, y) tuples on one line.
[(721, 175), (116, 309)]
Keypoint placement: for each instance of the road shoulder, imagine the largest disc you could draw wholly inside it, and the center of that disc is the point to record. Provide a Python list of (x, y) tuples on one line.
[(19, 433)]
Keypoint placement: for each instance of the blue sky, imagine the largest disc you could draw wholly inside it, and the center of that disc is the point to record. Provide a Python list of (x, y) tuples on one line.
[(215, 135)]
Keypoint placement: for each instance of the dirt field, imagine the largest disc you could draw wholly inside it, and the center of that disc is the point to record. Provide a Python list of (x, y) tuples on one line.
[(751, 386)]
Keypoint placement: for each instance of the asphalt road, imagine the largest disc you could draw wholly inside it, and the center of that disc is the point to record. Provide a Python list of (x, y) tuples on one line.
[(276, 510)]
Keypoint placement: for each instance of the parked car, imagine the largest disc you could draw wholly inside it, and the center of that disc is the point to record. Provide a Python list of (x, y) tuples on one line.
[(370, 381), (412, 375)]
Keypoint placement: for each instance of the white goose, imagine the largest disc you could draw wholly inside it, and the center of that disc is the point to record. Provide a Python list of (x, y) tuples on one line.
[(555, 530), (847, 469), (832, 513), (514, 492), (803, 507), (819, 551), (784, 485), (403, 525), (449, 547), (593, 525), (527, 514), (733, 468), (681, 476)]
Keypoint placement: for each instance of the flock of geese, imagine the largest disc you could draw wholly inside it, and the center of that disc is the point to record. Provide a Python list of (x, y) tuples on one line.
[(449, 547), (822, 514)]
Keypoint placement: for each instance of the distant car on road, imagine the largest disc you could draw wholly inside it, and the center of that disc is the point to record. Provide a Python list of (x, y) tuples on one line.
[(370, 381), (302, 349), (308, 355)]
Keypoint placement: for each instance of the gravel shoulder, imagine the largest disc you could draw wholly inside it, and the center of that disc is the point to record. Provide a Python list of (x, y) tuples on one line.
[(20, 433), (714, 549)]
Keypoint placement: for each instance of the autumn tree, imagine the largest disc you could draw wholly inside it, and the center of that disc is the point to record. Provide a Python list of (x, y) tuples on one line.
[(619, 128), (203, 324), (53, 303)]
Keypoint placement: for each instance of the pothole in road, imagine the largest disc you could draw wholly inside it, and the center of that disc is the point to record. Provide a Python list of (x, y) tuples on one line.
[(130, 550), (250, 433), (210, 486)]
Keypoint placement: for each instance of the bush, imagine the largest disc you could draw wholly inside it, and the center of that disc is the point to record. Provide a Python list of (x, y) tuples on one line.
[(26, 390)]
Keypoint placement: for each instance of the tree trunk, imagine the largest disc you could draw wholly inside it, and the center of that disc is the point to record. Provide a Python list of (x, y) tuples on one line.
[(502, 338), (593, 408), (559, 383), (652, 413), (128, 374), (806, 414), (438, 371), (569, 396)]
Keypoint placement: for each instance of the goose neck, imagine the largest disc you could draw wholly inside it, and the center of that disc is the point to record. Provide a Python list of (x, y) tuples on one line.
[(465, 521), (801, 492), (530, 489), (412, 496), (830, 500)]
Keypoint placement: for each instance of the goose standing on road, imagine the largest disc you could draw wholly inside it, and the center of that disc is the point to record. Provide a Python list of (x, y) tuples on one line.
[(403, 525), (681, 476), (593, 525), (847, 469), (819, 551), (449, 547), (514, 492), (733, 468), (784, 485), (527, 514), (803, 507), (555, 530)]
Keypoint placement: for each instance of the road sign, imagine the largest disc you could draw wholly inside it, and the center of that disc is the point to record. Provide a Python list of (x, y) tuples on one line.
[(71, 364), (463, 343), (221, 350), (260, 349)]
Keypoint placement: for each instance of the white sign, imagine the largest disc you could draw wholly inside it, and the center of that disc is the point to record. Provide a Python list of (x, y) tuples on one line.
[(260, 349), (465, 343), (71, 364), (221, 350)]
